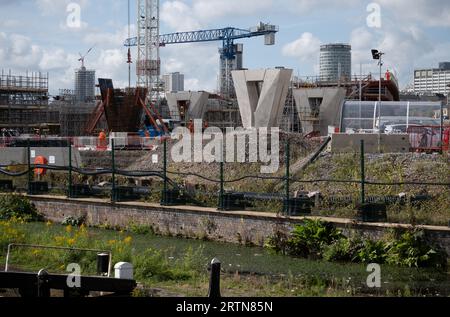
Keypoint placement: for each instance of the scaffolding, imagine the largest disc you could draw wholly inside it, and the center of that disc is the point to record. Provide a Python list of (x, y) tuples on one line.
[(73, 117), (24, 103), (222, 113), (290, 121)]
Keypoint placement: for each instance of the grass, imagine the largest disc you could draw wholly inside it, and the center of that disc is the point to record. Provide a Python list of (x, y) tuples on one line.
[(178, 266)]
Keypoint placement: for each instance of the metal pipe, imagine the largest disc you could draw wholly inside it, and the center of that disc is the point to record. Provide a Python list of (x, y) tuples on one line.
[(363, 174), (442, 127), (113, 157), (29, 166), (164, 196), (288, 167), (70, 170), (221, 200)]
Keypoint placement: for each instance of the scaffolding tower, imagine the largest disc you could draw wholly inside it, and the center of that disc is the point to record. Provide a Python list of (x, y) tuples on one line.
[(24, 103), (148, 65)]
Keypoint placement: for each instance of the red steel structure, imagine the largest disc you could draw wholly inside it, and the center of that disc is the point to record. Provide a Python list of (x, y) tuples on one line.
[(124, 109)]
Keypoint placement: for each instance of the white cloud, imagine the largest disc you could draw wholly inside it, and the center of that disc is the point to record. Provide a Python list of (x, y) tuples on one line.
[(403, 47), (199, 63), (179, 16), (426, 12), (19, 51), (108, 39), (305, 48), (210, 10), (59, 7), (54, 60)]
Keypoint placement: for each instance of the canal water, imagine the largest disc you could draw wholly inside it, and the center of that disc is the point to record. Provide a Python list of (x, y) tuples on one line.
[(260, 261)]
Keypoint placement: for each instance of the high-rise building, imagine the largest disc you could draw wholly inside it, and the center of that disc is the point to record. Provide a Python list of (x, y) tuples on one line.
[(433, 80), (335, 62), (84, 85), (173, 82)]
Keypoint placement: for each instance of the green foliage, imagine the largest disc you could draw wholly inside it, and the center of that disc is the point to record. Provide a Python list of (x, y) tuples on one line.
[(306, 240), (154, 264), (140, 229), (309, 239), (278, 243), (343, 250), (372, 252), (412, 250), (18, 207), (10, 232), (317, 239)]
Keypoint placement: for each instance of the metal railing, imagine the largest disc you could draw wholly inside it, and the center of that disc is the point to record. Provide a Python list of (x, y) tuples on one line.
[(168, 182), (36, 246)]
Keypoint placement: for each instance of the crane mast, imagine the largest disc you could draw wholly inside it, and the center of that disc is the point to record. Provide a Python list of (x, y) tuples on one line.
[(229, 53), (148, 66)]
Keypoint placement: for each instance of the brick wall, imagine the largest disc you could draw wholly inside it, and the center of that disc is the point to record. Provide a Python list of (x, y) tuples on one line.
[(191, 222)]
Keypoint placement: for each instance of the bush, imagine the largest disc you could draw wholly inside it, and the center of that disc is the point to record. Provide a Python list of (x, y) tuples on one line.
[(321, 240), (140, 229), (9, 233), (306, 240), (343, 250), (18, 207), (371, 252), (279, 242), (413, 250), (154, 265)]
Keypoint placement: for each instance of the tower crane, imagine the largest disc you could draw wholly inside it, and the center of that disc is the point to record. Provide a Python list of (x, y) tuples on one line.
[(228, 52), (83, 57)]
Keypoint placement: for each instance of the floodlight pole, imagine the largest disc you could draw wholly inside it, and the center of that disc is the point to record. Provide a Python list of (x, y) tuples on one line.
[(379, 93), (379, 56)]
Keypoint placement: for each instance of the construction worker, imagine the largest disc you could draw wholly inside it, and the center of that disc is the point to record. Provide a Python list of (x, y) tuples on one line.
[(191, 126), (102, 139), (388, 75)]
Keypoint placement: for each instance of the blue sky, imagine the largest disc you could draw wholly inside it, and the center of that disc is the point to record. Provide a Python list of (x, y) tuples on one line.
[(34, 36)]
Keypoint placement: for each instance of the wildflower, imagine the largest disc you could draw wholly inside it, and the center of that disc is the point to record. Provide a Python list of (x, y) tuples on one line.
[(49, 223), (128, 240), (71, 242), (69, 229), (60, 240), (112, 242)]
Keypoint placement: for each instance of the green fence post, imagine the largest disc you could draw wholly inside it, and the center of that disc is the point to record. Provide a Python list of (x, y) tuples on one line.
[(70, 170), (287, 185), (164, 200), (113, 157), (29, 167), (363, 174), (221, 194)]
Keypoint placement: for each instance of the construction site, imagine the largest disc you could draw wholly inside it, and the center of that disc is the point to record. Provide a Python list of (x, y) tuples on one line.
[(250, 164), (331, 112)]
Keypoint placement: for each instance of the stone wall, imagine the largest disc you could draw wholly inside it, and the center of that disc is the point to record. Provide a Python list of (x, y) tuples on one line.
[(205, 223)]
